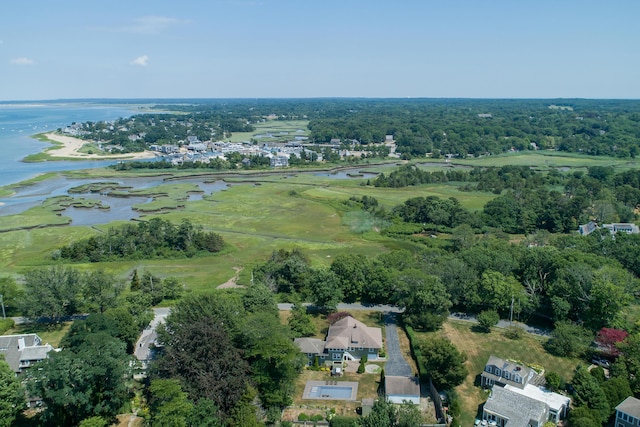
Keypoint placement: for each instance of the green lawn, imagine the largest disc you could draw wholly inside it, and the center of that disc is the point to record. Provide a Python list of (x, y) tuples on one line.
[(50, 333), (478, 346)]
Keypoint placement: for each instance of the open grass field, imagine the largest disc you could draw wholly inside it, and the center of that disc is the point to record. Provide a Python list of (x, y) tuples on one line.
[(478, 346), (260, 212), (550, 159), (282, 130)]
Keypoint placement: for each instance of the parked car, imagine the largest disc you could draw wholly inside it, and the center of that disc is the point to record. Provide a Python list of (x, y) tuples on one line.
[(600, 362)]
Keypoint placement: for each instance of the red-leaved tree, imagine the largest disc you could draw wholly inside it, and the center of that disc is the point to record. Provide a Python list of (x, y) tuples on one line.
[(608, 338)]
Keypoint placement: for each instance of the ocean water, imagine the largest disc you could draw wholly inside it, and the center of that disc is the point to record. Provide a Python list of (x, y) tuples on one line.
[(19, 121)]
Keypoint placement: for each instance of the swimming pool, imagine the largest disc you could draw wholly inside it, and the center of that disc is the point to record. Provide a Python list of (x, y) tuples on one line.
[(338, 390), (330, 392)]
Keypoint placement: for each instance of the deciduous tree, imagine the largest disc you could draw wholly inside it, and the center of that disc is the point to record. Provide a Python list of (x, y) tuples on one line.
[(443, 362), (51, 292), (12, 397)]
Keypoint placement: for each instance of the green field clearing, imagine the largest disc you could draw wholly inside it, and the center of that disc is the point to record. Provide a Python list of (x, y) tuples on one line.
[(274, 127), (478, 346), (550, 159)]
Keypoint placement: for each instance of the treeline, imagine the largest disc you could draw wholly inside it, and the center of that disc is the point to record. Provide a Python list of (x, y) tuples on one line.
[(56, 293), (569, 279), (528, 200), (155, 238), (463, 127), (459, 127)]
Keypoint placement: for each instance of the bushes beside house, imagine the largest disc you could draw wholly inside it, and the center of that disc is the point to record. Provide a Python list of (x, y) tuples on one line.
[(5, 325)]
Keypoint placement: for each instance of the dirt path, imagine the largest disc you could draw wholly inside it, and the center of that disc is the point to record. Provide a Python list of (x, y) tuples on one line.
[(231, 283)]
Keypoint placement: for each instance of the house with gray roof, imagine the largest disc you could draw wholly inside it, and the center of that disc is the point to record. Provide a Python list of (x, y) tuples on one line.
[(347, 339), (22, 351), (509, 409), (402, 389), (628, 413), (503, 372), (514, 384)]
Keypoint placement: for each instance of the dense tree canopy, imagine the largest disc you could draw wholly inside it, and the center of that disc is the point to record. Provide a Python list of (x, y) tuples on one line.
[(82, 381), (146, 239), (12, 397)]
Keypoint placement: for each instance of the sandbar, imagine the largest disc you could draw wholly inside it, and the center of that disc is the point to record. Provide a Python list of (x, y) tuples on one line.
[(71, 149)]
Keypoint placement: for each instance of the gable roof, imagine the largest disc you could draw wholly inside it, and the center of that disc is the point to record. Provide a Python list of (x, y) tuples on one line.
[(554, 401), (349, 332), (401, 386), (630, 406), (506, 366), (310, 345), (517, 408), (17, 348)]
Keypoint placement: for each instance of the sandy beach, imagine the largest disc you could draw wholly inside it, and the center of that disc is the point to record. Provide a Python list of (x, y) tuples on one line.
[(71, 149)]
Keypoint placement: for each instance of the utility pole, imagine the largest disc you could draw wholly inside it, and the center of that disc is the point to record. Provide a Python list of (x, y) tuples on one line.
[(511, 312), (4, 316)]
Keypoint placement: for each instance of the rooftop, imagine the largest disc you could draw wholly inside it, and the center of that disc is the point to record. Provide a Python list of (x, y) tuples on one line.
[(517, 408), (403, 386), (555, 401), (349, 332), (630, 406)]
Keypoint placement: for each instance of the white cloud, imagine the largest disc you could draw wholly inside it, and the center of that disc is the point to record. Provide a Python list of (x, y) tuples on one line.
[(22, 61), (147, 25), (141, 61)]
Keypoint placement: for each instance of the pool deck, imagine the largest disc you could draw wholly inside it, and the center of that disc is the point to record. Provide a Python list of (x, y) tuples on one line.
[(328, 384)]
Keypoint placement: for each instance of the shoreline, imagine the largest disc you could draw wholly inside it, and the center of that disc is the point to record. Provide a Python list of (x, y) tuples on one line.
[(70, 149)]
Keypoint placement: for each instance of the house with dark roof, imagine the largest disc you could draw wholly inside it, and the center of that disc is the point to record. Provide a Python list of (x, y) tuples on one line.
[(628, 413), (588, 228), (402, 389), (22, 351), (503, 372), (347, 339)]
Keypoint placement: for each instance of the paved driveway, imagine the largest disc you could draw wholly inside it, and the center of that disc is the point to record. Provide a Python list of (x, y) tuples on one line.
[(396, 364), (149, 335)]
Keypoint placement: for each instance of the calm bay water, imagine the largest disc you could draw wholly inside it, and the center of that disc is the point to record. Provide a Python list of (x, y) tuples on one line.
[(18, 122)]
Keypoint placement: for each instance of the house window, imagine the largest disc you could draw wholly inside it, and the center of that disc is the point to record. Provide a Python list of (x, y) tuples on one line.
[(372, 350), (506, 375), (517, 378), (336, 356)]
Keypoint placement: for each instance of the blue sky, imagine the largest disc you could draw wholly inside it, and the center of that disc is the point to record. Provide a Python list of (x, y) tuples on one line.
[(320, 48)]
